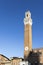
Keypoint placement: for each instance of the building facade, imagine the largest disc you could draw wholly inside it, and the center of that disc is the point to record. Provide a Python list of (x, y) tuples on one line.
[(13, 61), (4, 60), (16, 61), (39, 52)]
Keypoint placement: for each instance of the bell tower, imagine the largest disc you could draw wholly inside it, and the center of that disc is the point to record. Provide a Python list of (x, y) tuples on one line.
[(27, 34)]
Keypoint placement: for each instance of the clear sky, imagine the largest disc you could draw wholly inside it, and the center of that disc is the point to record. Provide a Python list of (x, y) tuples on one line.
[(12, 27)]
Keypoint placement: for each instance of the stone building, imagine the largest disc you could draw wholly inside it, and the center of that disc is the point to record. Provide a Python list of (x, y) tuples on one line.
[(4, 60), (39, 52), (16, 61), (13, 61)]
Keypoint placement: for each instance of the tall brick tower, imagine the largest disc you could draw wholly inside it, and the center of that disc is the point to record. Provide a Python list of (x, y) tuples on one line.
[(27, 34)]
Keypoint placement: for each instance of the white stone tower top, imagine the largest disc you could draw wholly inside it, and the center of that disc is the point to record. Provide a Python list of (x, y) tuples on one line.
[(27, 19)]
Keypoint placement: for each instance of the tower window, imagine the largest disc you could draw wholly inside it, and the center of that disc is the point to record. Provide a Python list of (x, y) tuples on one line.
[(27, 15), (23, 64)]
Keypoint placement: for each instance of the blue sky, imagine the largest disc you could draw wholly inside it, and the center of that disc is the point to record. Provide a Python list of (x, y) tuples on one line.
[(12, 27)]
